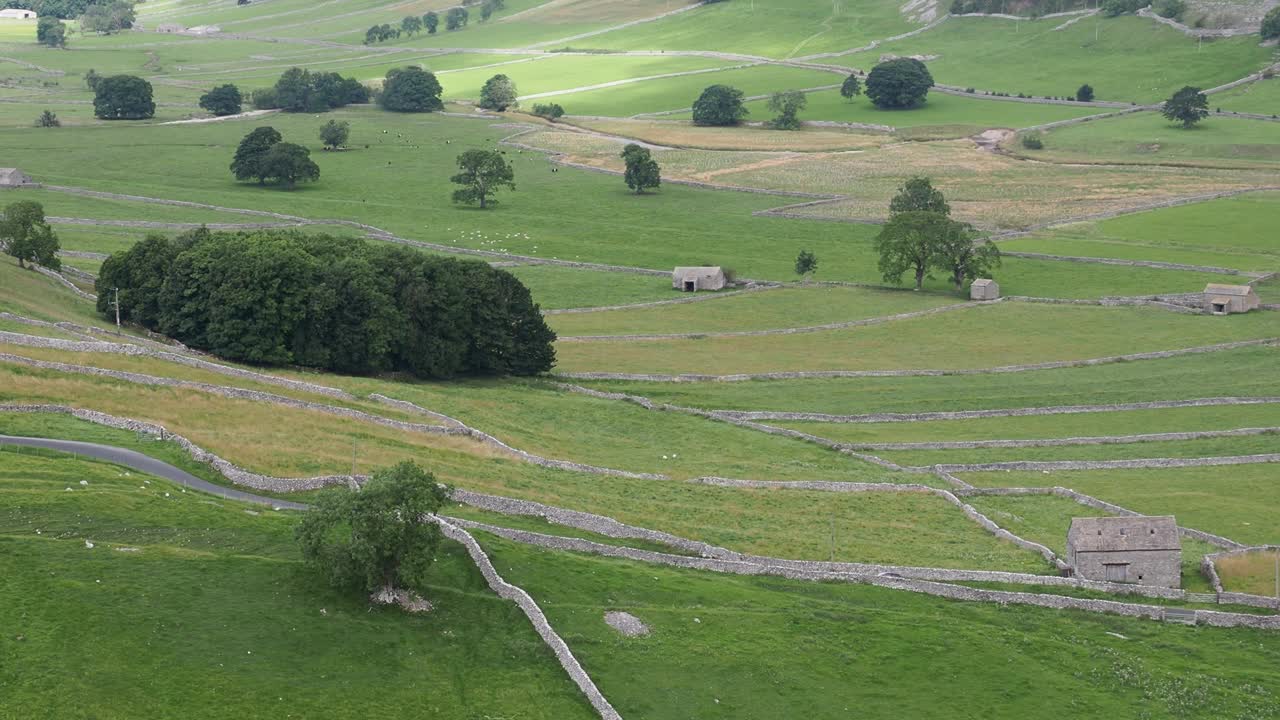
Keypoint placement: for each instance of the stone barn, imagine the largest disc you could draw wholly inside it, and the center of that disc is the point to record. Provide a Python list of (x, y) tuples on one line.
[(984, 289), (13, 177), (170, 28), (693, 279), (1137, 549), (16, 14), (1230, 299)]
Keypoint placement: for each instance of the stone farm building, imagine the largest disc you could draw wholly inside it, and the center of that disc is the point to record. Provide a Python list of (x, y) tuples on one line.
[(1136, 549), (984, 289), (170, 28), (1228, 299), (13, 177), (693, 279), (15, 14)]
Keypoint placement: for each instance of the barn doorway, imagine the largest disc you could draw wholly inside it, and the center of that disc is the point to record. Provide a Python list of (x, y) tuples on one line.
[(1219, 309), (1118, 573), (690, 286)]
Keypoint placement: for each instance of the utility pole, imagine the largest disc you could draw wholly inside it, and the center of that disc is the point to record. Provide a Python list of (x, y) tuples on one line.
[(1278, 580), (832, 520), (117, 304)]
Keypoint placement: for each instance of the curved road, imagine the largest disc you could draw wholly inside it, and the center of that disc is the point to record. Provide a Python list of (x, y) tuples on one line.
[(149, 465)]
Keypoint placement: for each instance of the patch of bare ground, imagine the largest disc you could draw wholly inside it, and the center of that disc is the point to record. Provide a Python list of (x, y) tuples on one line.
[(683, 134)]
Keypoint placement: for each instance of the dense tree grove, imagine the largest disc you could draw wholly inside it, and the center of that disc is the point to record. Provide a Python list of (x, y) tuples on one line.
[(642, 170), (123, 97), (1187, 106), (334, 303), (499, 93), (27, 237), (107, 17), (372, 539), (411, 89), (223, 100), (719, 105), (898, 83), (300, 90)]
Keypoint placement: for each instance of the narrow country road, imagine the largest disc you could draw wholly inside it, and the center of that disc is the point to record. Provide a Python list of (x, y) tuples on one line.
[(149, 465)]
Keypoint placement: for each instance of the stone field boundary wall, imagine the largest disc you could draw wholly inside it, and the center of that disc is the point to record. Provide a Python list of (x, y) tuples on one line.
[(1208, 565)]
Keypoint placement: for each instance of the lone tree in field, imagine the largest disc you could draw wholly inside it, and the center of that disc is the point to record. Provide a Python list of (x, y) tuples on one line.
[(253, 147), (335, 133), (223, 100), (918, 195), (376, 539), (909, 242), (48, 119), (498, 93), (642, 170), (1085, 93), (549, 111), (959, 255), (431, 21), (27, 237), (787, 104), (483, 172), (287, 164), (123, 97), (411, 25), (719, 105), (806, 264), (51, 32), (899, 83), (851, 87), (1187, 106), (411, 89), (1271, 24)]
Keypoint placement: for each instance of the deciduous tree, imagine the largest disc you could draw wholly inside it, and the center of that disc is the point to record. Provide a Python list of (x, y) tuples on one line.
[(642, 170), (431, 21), (253, 147), (411, 25), (719, 105), (899, 83), (123, 97), (1271, 24), (787, 105), (483, 172), (806, 264), (851, 87), (51, 32), (456, 18), (918, 194), (959, 255), (27, 237), (1187, 106), (334, 134), (550, 111), (909, 242), (222, 100), (1085, 93), (288, 164), (411, 89), (498, 93)]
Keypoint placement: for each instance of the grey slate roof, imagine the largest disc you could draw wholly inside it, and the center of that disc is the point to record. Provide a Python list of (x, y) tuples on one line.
[(1112, 534), (1237, 290)]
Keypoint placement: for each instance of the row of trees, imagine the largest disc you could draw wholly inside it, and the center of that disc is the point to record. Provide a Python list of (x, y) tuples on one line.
[(339, 304), (920, 237), (300, 90), (456, 18), (26, 236)]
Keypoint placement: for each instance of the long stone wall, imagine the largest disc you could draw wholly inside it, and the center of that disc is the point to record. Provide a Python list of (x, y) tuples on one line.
[(1065, 442), (1051, 465)]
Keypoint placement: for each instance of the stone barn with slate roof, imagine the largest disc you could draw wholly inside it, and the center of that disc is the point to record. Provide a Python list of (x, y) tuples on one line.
[(1137, 549), (693, 279), (1229, 299), (13, 177), (984, 289)]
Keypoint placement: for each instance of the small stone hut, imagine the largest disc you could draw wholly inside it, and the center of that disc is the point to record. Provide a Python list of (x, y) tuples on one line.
[(13, 177), (17, 14), (1229, 299), (693, 279), (984, 289), (1136, 549)]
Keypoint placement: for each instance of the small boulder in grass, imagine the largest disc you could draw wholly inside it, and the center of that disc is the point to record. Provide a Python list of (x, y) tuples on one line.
[(626, 624), (407, 600)]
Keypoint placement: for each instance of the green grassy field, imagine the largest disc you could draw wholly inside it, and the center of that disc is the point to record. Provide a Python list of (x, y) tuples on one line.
[(1205, 447), (213, 612), (1237, 502), (557, 73), (1179, 378), (819, 648), (1259, 97), (1149, 138), (981, 337), (1131, 60)]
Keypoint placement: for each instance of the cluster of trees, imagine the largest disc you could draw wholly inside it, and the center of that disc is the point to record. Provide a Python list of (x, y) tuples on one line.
[(1172, 9), (121, 97), (899, 83), (27, 237), (498, 93), (339, 304), (51, 32), (411, 89), (223, 100), (548, 111), (920, 236), (107, 17), (264, 156), (300, 90), (642, 170), (1271, 24), (382, 33)]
